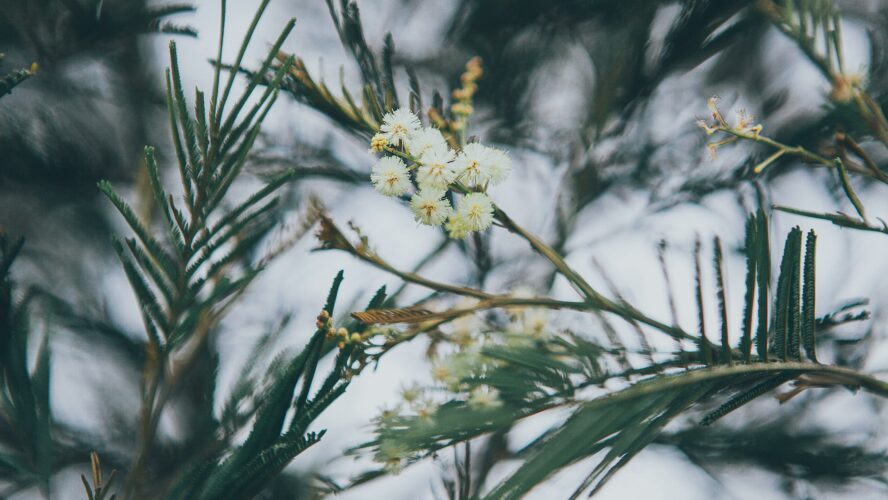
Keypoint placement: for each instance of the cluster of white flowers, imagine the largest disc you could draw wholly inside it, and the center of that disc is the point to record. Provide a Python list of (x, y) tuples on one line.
[(452, 370), (484, 397), (527, 323), (434, 167)]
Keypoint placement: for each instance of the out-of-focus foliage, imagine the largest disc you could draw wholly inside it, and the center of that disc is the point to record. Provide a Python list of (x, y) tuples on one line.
[(196, 247)]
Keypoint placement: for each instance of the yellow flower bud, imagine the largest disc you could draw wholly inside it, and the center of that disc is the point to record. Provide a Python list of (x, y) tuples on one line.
[(378, 143)]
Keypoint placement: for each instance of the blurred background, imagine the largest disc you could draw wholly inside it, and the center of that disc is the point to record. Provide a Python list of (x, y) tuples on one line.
[(595, 100)]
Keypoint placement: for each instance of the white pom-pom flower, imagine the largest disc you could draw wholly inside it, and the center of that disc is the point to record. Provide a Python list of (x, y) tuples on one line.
[(477, 210), (457, 226), (500, 165), (437, 170), (398, 125), (484, 397), (430, 207), (390, 177), (473, 164), (426, 140)]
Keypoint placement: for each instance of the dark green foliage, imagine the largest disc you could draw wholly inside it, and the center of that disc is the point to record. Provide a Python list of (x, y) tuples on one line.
[(788, 316), (186, 280), (189, 267), (750, 249), (745, 397), (794, 305), (545, 374), (704, 346), (192, 271), (783, 326), (25, 415), (13, 78), (99, 488), (809, 321), (726, 355), (625, 424), (271, 445), (763, 284), (809, 455)]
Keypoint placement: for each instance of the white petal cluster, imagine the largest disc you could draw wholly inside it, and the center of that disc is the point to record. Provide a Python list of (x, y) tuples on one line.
[(436, 169), (479, 165), (484, 397), (457, 227), (453, 369), (426, 140), (390, 177), (429, 206), (398, 125), (477, 211), (500, 166)]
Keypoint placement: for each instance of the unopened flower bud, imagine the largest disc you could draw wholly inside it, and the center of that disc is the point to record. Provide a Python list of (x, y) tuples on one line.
[(378, 143)]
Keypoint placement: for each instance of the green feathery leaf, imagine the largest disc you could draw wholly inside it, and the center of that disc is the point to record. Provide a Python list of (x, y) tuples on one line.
[(751, 252), (809, 320), (763, 284), (703, 342), (726, 356)]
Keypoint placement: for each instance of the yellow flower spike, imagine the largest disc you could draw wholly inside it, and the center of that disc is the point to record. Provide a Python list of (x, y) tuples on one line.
[(461, 94), (473, 68), (462, 108)]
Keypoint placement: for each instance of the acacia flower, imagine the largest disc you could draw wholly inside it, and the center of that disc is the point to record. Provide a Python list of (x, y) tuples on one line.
[(442, 373), (398, 125), (473, 164), (429, 207), (452, 370), (464, 329), (390, 177), (425, 408), (500, 165), (484, 397), (392, 455), (457, 226), (477, 210), (411, 393), (461, 108), (425, 140), (437, 170), (378, 143), (535, 322)]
